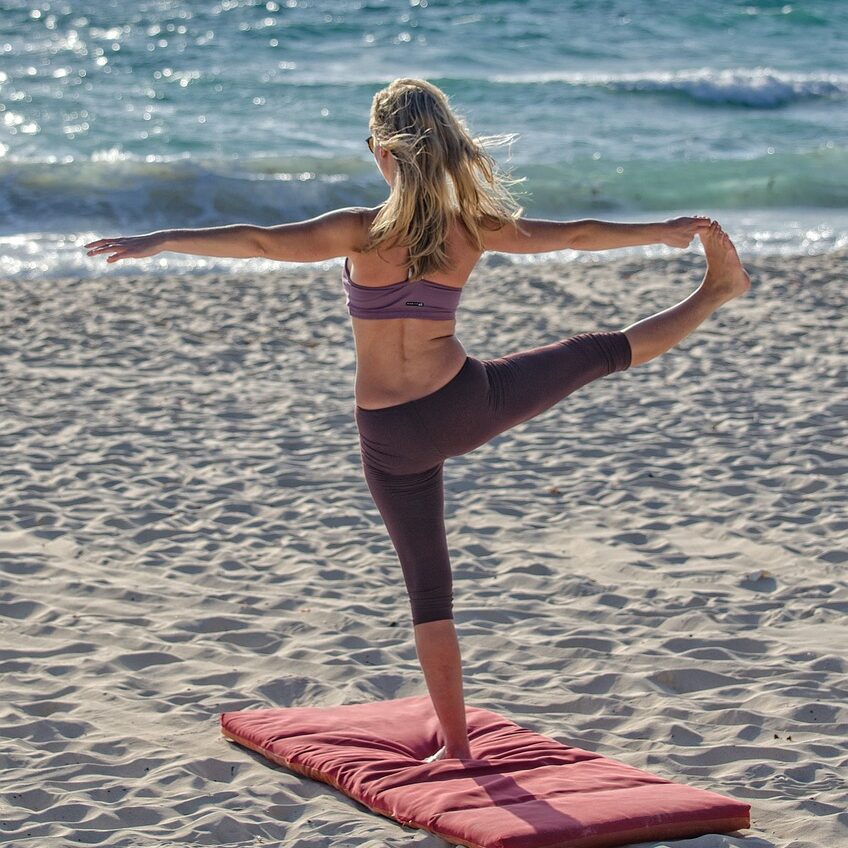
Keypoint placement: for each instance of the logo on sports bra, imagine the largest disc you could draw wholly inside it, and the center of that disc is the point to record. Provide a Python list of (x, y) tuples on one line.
[(414, 303)]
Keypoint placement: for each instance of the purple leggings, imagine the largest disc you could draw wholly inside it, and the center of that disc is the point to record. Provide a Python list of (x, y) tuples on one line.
[(404, 447)]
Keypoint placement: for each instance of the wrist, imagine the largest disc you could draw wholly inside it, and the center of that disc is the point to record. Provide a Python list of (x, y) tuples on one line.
[(166, 239), (659, 232)]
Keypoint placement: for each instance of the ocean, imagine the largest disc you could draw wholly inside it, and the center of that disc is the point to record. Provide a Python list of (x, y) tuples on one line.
[(120, 119)]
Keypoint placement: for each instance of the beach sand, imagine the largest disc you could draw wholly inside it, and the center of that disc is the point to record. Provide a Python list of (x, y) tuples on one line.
[(654, 569)]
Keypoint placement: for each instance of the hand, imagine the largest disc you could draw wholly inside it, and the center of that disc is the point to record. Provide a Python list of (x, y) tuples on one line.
[(128, 247), (679, 232)]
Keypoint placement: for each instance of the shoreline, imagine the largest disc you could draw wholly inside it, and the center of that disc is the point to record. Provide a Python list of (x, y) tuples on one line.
[(516, 263), (49, 258)]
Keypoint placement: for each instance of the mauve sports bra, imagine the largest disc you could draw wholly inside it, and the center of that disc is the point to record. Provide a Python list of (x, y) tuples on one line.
[(407, 299)]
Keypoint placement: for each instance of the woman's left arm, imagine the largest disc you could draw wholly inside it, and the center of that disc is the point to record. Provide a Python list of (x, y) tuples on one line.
[(606, 235), (532, 235)]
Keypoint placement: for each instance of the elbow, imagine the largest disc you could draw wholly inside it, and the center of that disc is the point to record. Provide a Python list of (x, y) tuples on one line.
[(584, 235), (257, 242), (579, 237)]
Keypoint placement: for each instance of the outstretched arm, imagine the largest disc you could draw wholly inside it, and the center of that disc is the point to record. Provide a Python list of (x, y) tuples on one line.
[(530, 235), (325, 237), (330, 235)]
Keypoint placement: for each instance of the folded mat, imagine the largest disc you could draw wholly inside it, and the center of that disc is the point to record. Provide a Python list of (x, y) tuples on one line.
[(521, 790)]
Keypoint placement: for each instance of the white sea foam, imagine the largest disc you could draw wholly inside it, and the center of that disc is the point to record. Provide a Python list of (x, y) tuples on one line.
[(755, 87)]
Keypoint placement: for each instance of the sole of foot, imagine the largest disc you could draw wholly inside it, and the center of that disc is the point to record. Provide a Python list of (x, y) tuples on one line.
[(726, 278)]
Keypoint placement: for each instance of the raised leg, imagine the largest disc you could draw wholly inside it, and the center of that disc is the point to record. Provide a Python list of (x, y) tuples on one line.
[(724, 280)]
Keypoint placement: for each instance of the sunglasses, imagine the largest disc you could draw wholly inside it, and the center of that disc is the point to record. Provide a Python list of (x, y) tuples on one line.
[(370, 142)]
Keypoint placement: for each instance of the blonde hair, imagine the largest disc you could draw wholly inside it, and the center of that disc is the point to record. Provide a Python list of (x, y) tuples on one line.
[(440, 171)]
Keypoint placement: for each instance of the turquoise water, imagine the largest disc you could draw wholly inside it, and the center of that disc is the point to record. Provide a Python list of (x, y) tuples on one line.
[(123, 118)]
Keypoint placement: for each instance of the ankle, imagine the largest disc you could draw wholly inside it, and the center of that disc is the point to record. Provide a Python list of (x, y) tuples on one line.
[(709, 296), (458, 752)]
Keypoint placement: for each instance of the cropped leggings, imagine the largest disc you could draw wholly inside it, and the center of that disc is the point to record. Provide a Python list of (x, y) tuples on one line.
[(403, 447)]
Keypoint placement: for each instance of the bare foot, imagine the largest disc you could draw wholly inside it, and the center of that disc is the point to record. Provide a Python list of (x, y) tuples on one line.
[(725, 277), (442, 754), (437, 756)]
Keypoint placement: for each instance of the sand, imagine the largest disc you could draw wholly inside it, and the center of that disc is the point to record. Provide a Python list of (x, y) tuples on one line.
[(653, 569)]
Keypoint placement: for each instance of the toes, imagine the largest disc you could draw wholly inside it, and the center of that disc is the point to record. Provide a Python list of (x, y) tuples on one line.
[(439, 755)]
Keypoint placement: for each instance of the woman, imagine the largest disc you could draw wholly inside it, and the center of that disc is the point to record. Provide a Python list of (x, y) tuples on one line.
[(419, 397)]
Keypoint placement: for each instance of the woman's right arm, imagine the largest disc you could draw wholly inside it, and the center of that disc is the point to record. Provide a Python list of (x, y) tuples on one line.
[(327, 236), (240, 241)]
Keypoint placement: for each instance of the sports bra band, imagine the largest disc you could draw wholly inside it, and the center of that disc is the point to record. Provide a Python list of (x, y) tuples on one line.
[(405, 299)]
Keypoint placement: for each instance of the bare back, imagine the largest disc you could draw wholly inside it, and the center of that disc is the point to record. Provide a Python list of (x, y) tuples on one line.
[(403, 359)]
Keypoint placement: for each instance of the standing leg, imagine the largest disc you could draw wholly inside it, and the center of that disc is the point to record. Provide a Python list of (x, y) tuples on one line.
[(724, 280), (412, 507)]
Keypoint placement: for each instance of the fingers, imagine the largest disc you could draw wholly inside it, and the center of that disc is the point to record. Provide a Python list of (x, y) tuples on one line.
[(111, 247), (105, 244), (114, 246), (99, 242)]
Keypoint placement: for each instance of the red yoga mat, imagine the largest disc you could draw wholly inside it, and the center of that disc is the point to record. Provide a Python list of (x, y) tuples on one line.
[(521, 790)]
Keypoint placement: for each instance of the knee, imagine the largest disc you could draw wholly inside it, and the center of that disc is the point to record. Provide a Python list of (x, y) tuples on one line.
[(639, 352), (625, 353), (600, 353), (615, 350), (431, 608)]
